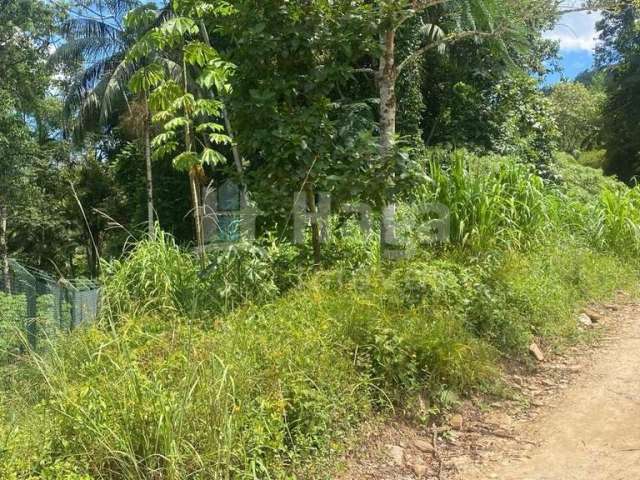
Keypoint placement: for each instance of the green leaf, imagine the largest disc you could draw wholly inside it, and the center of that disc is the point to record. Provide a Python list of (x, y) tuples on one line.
[(186, 102), (165, 149), (180, 26), (198, 53), (212, 157), (146, 78), (162, 139), (177, 123), (212, 126), (164, 95), (185, 161), (161, 116), (208, 107), (220, 138)]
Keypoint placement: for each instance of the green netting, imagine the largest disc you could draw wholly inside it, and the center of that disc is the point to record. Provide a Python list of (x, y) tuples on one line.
[(35, 306)]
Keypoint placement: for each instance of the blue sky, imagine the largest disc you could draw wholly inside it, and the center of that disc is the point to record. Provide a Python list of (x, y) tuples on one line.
[(577, 35)]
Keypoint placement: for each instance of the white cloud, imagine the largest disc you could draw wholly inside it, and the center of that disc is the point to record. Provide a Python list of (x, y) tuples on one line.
[(576, 31)]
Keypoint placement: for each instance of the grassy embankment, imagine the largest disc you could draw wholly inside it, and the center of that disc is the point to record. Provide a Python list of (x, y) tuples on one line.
[(262, 370)]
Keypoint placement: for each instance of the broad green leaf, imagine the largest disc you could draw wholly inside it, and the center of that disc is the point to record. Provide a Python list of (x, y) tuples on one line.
[(214, 127), (146, 78), (180, 26), (208, 107), (198, 53), (164, 150), (219, 138), (162, 139), (164, 95), (186, 102), (185, 161), (212, 157), (176, 123), (162, 117)]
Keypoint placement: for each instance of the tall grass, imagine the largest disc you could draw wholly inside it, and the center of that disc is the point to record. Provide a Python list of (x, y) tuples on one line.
[(616, 222), (158, 276), (492, 201), (270, 384)]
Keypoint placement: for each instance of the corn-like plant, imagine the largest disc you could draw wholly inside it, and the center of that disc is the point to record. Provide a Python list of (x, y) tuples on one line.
[(492, 201), (616, 221)]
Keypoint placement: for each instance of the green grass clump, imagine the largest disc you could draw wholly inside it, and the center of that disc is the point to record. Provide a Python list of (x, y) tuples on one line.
[(492, 201), (536, 293), (581, 184), (593, 158)]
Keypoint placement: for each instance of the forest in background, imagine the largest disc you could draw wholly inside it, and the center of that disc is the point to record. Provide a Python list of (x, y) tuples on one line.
[(96, 145)]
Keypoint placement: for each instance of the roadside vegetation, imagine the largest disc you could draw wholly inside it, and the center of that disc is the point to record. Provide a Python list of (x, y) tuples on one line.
[(132, 134), (259, 372)]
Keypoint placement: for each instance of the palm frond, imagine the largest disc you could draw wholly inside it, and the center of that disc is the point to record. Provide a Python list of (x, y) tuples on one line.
[(116, 88), (80, 50), (76, 28), (121, 7)]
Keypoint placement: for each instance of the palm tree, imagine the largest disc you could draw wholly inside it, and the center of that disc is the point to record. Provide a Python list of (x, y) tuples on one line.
[(97, 39)]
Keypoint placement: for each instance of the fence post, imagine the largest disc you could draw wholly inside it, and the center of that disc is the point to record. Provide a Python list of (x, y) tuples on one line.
[(32, 316)]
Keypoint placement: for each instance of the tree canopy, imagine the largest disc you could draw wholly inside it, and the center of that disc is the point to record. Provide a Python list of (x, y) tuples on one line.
[(117, 99)]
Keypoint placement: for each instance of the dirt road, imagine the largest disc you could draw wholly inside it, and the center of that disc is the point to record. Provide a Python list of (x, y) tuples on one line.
[(575, 417), (592, 431)]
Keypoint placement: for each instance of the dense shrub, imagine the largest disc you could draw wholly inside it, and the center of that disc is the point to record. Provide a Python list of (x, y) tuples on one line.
[(159, 276), (593, 158), (616, 222), (13, 310)]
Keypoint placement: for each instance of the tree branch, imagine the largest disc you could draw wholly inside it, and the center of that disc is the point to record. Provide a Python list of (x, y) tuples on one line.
[(592, 6), (449, 39), (418, 7), (369, 71)]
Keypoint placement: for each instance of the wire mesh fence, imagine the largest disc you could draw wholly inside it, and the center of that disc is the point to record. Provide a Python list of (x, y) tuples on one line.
[(35, 306)]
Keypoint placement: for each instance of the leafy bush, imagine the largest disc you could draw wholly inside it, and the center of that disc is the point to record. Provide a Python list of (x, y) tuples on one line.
[(616, 222), (13, 311), (238, 274), (583, 185), (160, 277), (593, 158), (535, 294)]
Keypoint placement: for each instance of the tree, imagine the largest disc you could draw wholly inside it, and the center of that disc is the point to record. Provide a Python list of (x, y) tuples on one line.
[(16, 151), (97, 39), (477, 20), (302, 114), (618, 54), (26, 27), (578, 113), (188, 118), (483, 96)]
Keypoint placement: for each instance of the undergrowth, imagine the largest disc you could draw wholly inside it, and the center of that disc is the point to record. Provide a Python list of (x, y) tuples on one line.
[(255, 369)]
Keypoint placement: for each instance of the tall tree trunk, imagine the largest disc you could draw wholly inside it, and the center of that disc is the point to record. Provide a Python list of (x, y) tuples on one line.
[(237, 160), (4, 249), (315, 224), (194, 176), (387, 76), (91, 259), (149, 169)]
